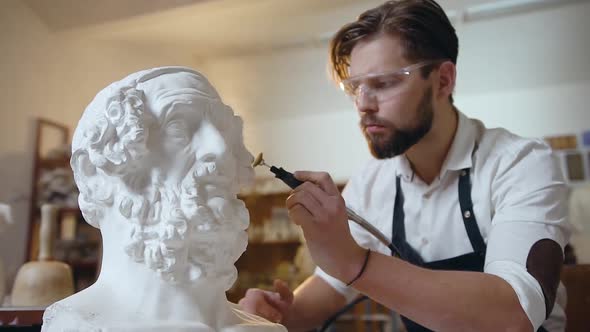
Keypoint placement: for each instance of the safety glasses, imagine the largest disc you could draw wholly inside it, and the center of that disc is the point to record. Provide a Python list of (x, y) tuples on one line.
[(382, 86)]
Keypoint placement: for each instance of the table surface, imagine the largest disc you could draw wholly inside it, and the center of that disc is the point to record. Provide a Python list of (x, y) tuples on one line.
[(21, 316)]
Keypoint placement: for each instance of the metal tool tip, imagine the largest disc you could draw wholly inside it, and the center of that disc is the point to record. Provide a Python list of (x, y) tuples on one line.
[(258, 160)]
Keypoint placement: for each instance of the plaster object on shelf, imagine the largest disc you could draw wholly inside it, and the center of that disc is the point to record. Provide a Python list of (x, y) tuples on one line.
[(56, 186), (5, 216), (5, 220), (42, 282), (579, 217), (159, 160)]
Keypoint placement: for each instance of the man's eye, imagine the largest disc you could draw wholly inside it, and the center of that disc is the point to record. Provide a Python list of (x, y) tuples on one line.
[(385, 83)]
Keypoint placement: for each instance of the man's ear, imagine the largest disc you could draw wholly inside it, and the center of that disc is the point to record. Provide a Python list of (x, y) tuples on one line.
[(447, 74)]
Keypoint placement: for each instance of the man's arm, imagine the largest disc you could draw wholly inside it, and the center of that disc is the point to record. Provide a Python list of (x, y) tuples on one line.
[(443, 300), (440, 300)]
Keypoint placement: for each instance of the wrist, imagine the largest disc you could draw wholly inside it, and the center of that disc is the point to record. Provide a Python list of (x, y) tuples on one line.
[(357, 269), (292, 318)]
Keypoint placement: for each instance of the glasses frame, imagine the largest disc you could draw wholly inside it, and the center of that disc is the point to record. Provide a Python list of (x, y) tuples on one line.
[(403, 71)]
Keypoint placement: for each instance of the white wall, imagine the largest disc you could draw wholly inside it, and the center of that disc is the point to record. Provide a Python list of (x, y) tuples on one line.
[(46, 75), (292, 112), (529, 73)]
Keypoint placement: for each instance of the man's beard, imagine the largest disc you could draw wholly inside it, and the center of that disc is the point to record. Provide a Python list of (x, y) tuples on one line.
[(398, 141)]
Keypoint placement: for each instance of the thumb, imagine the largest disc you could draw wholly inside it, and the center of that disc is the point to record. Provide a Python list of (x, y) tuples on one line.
[(282, 288)]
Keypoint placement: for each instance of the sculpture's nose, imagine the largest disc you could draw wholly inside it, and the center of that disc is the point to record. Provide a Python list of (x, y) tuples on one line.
[(211, 143)]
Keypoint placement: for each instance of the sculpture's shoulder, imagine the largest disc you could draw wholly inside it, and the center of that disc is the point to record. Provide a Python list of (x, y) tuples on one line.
[(74, 315), (61, 317), (252, 323)]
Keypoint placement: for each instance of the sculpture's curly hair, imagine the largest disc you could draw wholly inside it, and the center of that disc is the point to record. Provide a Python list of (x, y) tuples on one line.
[(114, 144), (111, 139)]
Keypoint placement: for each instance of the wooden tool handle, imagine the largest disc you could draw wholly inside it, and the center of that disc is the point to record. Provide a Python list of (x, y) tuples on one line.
[(48, 214)]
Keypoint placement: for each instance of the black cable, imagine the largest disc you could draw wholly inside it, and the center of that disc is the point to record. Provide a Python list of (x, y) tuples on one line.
[(338, 313)]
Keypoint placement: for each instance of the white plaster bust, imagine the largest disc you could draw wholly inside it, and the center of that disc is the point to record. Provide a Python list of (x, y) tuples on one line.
[(159, 160)]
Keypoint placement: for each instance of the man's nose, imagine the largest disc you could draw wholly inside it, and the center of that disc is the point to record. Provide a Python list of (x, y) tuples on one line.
[(366, 102)]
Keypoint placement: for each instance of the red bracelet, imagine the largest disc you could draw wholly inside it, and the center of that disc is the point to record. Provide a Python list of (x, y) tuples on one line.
[(362, 268)]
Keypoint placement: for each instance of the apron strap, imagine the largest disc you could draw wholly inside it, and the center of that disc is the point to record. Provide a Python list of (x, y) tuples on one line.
[(398, 229), (467, 214)]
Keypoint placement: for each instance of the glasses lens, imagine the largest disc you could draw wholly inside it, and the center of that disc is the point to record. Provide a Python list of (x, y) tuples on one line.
[(383, 87), (385, 83), (349, 87), (388, 86)]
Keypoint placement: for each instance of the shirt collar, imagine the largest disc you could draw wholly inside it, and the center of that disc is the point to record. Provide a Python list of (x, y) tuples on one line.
[(404, 168), (459, 156), (460, 153)]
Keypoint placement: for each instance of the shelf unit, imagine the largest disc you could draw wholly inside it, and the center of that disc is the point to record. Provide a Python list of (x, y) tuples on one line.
[(85, 269), (43, 127), (257, 267), (262, 262)]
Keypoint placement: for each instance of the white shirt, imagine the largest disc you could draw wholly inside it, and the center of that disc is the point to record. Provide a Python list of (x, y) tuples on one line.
[(519, 198)]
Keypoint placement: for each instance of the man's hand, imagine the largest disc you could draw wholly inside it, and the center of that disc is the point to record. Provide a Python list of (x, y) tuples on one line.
[(319, 209), (273, 306)]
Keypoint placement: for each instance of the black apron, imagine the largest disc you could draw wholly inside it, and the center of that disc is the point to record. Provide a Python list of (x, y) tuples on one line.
[(468, 262)]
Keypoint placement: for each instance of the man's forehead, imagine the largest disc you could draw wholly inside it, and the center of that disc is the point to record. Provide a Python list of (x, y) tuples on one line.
[(383, 52)]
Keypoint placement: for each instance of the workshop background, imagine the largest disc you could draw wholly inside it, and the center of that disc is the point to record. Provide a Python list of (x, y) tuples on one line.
[(523, 65)]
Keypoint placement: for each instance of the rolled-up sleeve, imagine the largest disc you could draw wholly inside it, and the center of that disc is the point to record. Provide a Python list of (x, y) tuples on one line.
[(529, 195)]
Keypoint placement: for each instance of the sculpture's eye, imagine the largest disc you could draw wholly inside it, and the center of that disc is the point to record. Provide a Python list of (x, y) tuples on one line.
[(176, 133)]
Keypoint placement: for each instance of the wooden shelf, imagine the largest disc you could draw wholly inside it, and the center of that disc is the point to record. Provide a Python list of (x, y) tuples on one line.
[(69, 210), (82, 253), (54, 163), (25, 317), (274, 243), (41, 163), (61, 210), (84, 264)]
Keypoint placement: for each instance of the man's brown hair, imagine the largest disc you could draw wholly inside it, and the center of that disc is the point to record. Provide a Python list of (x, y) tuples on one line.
[(422, 26)]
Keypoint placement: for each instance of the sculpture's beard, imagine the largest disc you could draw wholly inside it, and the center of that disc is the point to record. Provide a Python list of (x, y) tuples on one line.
[(193, 230)]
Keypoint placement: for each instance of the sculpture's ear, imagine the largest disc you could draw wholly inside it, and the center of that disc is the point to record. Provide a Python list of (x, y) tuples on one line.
[(95, 193), (81, 164)]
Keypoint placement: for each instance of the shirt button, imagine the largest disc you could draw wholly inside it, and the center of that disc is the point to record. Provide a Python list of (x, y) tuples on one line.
[(427, 195), (424, 241), (467, 214)]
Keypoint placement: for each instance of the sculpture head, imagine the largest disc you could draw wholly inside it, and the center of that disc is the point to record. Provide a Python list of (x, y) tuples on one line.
[(160, 151)]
